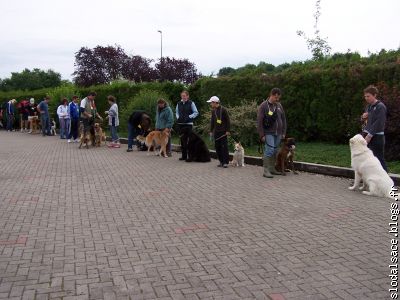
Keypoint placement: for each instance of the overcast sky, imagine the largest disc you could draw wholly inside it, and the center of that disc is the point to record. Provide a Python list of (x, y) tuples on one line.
[(211, 33)]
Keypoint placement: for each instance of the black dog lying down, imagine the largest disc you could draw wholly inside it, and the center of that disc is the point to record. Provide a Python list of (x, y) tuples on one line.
[(197, 149)]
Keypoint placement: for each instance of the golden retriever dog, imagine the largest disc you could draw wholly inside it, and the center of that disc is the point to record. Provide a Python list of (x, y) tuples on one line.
[(99, 135), (368, 169), (85, 138), (158, 139)]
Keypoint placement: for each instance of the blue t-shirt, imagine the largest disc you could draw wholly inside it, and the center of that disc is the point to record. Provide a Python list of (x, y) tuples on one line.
[(44, 108)]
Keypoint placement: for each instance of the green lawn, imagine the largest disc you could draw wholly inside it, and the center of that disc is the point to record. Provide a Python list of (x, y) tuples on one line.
[(313, 152)]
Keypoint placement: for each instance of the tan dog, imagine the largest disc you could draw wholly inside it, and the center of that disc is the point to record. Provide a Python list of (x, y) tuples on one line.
[(156, 139), (99, 135), (85, 139)]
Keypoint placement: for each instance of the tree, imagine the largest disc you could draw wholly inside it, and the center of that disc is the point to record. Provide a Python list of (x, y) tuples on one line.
[(138, 68), (181, 70), (226, 71), (98, 65), (319, 46), (31, 80)]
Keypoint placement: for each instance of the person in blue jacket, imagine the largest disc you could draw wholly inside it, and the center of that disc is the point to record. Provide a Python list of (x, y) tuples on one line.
[(73, 109)]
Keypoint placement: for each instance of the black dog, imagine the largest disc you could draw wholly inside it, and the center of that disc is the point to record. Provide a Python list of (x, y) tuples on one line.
[(197, 149)]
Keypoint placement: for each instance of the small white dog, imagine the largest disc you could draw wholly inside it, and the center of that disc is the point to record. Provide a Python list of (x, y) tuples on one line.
[(53, 127), (238, 156), (368, 168)]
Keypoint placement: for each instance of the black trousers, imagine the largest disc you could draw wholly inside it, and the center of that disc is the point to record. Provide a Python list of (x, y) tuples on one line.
[(74, 129), (221, 147), (377, 146), (184, 129)]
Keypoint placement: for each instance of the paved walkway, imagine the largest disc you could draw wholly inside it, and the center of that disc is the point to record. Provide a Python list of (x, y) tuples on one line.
[(106, 224)]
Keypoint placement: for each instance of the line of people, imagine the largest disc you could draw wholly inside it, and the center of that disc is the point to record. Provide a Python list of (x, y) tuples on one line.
[(271, 123)]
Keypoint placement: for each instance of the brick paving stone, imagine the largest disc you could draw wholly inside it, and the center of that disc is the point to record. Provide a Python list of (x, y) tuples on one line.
[(106, 224)]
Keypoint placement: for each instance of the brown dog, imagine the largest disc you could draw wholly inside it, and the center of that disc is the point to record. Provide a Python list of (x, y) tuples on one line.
[(158, 138), (85, 139), (99, 135), (284, 160)]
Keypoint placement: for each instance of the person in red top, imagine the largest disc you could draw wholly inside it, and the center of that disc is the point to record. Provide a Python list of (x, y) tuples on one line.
[(23, 107)]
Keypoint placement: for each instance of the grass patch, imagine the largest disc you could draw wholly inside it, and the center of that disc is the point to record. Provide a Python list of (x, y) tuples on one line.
[(313, 152)]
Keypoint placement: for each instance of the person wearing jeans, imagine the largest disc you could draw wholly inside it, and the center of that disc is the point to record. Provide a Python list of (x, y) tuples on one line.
[(43, 109), (373, 132), (113, 121), (271, 128), (220, 129), (63, 118), (138, 124)]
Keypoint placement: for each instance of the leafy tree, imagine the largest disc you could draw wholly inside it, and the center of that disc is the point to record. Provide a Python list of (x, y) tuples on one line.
[(31, 80), (105, 64), (226, 71), (181, 70), (319, 46), (98, 65), (137, 68)]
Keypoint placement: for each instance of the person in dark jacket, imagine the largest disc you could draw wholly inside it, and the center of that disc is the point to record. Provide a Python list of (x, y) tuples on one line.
[(373, 132), (74, 112), (271, 128), (186, 112), (220, 129), (10, 112), (165, 120), (138, 124)]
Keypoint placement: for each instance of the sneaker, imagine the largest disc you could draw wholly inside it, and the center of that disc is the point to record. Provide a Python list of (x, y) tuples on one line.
[(76, 141), (69, 141), (117, 145), (111, 145), (30, 131), (22, 130), (225, 166), (129, 150)]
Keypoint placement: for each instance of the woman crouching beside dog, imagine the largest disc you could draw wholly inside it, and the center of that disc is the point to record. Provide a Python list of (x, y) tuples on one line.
[(271, 127)]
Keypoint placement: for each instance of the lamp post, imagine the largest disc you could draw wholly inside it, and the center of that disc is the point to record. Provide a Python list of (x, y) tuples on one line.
[(161, 60)]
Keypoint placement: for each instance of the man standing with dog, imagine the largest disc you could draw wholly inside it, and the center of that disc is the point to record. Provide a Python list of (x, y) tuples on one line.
[(186, 112), (373, 132), (220, 128), (165, 120), (271, 128), (89, 113)]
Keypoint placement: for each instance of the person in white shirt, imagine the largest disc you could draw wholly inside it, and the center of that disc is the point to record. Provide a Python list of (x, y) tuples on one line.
[(63, 117)]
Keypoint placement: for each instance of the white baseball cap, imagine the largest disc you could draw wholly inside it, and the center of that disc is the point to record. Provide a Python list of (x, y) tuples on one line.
[(213, 99)]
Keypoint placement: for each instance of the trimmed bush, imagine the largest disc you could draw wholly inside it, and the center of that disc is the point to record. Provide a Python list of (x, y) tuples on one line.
[(146, 100)]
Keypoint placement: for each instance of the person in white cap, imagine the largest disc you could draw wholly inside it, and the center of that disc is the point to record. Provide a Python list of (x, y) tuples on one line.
[(220, 130), (32, 118)]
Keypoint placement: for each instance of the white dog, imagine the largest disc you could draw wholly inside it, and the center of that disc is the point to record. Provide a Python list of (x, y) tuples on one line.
[(238, 156), (368, 168)]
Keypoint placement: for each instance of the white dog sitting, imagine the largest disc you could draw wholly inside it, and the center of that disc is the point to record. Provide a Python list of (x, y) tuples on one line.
[(238, 156), (368, 168)]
